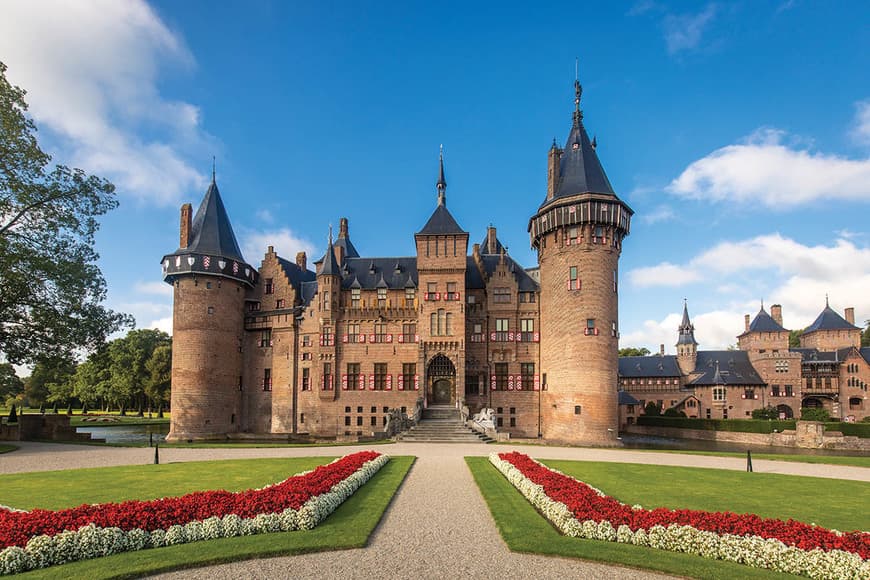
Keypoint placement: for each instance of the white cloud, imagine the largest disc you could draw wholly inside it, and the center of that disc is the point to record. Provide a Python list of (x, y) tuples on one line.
[(285, 242), (664, 274), (90, 70), (264, 215), (157, 288), (714, 330), (765, 170), (684, 31), (659, 214), (164, 324), (861, 131)]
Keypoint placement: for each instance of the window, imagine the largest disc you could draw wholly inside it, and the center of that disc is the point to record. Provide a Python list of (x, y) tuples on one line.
[(572, 235), (502, 295), (210, 310), (749, 394), (380, 332), (501, 376), (410, 295), (253, 306), (615, 282), (409, 332), (719, 394), (472, 385), (774, 390), (527, 297), (527, 376), (326, 336), (472, 299), (327, 383), (613, 331), (208, 285), (598, 235), (590, 329), (781, 366), (452, 294), (501, 329), (527, 329), (409, 370), (448, 324), (353, 333), (788, 391), (302, 417), (267, 379), (269, 287), (325, 300), (306, 356), (279, 303), (441, 323), (352, 376), (382, 297), (476, 332), (432, 291), (354, 297), (306, 340), (573, 280), (380, 376), (265, 337), (577, 409), (306, 379), (240, 382)]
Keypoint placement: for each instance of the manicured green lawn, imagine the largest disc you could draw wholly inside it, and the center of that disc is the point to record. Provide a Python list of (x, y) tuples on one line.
[(524, 530), (5, 448), (855, 461), (348, 527)]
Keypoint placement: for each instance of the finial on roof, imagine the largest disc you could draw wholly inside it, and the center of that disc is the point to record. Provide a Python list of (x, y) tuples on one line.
[(762, 303), (594, 142), (213, 168), (441, 185), (330, 235), (827, 305), (578, 92)]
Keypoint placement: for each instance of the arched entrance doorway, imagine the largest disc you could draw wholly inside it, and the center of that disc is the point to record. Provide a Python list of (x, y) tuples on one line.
[(441, 378), (785, 412)]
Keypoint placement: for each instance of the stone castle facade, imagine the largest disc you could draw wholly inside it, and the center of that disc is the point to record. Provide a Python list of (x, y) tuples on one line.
[(329, 350), (829, 370)]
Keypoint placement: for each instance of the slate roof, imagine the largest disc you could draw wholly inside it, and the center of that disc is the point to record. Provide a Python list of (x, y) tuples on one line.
[(441, 222), (525, 283), (814, 355), (295, 274), (648, 366), (210, 231), (485, 249), (349, 249), (473, 278), (829, 320), (865, 352), (734, 368), (764, 322), (625, 398), (686, 329), (330, 263), (371, 273)]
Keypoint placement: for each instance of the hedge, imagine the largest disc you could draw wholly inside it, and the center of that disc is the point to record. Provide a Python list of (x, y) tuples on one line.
[(747, 425)]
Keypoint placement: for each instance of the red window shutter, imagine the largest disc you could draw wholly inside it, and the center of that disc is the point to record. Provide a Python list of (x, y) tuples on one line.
[(344, 338), (401, 338), (401, 381), (362, 383), (536, 337), (389, 338), (343, 382), (371, 382), (361, 337), (492, 382), (537, 385), (389, 386), (371, 338), (416, 382), (492, 337)]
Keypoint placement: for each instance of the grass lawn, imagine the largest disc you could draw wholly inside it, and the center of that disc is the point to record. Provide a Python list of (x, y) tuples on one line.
[(6, 448), (524, 530), (863, 461), (348, 527)]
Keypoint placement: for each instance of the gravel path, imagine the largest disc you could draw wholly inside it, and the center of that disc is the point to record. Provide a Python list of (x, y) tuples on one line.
[(437, 526)]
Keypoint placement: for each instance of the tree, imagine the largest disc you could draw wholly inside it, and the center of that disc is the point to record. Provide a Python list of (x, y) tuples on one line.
[(92, 379), (10, 384), (160, 369), (815, 414), (652, 409), (632, 351), (865, 336), (48, 371), (50, 285), (673, 412), (794, 338), (765, 413), (128, 359)]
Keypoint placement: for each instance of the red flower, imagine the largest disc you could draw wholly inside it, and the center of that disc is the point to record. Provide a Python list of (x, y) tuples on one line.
[(16, 528)]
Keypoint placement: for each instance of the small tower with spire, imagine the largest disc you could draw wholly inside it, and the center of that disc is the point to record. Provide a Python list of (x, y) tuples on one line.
[(578, 232), (210, 279), (687, 346)]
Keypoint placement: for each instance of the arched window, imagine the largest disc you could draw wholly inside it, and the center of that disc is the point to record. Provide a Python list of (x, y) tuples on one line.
[(433, 324), (441, 322), (448, 327)]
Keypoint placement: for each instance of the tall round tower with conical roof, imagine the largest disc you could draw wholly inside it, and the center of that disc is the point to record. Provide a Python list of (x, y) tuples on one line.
[(210, 279), (578, 233)]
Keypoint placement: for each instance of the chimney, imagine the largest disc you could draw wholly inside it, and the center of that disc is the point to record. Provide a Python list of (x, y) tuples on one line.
[(339, 253), (746, 321), (661, 349), (776, 313), (302, 260), (553, 159), (186, 211), (342, 228), (850, 315), (491, 240)]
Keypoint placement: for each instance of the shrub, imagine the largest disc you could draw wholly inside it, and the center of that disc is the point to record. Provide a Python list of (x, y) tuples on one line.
[(854, 429), (815, 414), (13, 415), (765, 413), (732, 425), (673, 412), (652, 410)]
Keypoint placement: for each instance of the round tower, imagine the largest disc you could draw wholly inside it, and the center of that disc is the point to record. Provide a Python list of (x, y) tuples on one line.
[(578, 233), (210, 279)]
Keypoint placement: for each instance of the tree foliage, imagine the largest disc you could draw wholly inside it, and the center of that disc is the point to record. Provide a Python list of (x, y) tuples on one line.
[(10, 383), (768, 412), (865, 335), (652, 409), (794, 338), (50, 285), (159, 367), (47, 372), (633, 351), (815, 414)]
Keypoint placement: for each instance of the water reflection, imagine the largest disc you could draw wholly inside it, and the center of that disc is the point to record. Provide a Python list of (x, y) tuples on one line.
[(128, 434), (633, 441)]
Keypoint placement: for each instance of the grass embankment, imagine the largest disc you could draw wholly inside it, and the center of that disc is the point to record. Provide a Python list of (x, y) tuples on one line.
[(4, 448), (524, 530), (854, 461), (348, 527)]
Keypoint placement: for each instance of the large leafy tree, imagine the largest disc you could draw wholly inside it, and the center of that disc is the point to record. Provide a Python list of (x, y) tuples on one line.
[(129, 358), (634, 351), (10, 384), (50, 286), (47, 372), (865, 335), (160, 368)]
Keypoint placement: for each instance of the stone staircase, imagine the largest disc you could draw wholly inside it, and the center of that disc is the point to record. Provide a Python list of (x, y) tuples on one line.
[(441, 425)]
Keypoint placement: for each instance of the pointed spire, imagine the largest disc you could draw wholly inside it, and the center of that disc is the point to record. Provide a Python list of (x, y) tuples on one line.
[(213, 169), (330, 264), (578, 92), (441, 185), (686, 329)]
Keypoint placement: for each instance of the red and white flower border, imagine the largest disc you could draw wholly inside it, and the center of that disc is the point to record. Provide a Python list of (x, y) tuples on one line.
[(749, 550), (94, 542)]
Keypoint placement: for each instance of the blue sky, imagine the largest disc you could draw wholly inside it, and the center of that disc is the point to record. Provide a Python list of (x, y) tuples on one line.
[(738, 132)]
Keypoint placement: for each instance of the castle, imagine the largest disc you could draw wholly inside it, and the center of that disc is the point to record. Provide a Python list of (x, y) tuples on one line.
[(829, 370), (329, 351)]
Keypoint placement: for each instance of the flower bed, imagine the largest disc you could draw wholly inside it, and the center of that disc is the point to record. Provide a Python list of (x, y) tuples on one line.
[(579, 510), (41, 538)]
